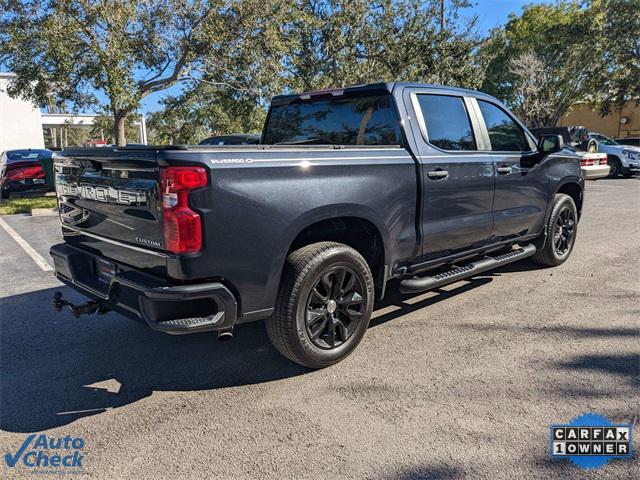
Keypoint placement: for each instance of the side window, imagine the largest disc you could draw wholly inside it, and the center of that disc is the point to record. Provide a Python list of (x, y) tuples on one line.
[(504, 133), (447, 122)]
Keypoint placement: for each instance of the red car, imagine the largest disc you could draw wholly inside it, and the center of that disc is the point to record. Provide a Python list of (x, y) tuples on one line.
[(21, 170)]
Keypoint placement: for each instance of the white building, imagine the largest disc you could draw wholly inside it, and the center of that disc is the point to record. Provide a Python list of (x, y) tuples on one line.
[(20, 120), (22, 123)]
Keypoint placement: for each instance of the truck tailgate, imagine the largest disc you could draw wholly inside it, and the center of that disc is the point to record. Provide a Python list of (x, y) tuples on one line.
[(110, 204)]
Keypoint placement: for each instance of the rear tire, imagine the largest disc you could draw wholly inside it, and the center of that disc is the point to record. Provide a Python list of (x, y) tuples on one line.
[(561, 231), (4, 194), (324, 304)]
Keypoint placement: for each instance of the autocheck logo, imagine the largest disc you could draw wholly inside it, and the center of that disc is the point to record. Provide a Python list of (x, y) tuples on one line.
[(40, 452)]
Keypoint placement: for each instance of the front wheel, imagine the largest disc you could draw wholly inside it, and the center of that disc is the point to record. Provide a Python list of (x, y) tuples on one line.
[(615, 166), (561, 231), (324, 304)]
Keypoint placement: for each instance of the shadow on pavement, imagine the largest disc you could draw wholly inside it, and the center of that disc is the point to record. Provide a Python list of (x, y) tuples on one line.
[(49, 360), (394, 298), (625, 366), (570, 331), (429, 473)]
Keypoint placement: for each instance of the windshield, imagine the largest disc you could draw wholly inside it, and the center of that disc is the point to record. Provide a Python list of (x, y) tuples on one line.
[(602, 139), (363, 120)]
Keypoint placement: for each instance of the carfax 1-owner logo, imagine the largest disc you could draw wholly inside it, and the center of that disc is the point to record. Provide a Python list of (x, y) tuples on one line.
[(590, 440), (48, 453)]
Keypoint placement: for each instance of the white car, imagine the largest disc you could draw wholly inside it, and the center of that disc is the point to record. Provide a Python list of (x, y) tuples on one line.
[(622, 159), (593, 165)]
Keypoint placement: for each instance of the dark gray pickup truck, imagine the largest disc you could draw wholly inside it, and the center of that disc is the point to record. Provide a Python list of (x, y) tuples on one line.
[(348, 189)]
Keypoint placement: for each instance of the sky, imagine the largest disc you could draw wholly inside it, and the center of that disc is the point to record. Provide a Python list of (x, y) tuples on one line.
[(493, 13)]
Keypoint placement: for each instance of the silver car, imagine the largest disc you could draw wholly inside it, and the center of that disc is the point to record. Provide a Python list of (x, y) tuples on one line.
[(622, 159)]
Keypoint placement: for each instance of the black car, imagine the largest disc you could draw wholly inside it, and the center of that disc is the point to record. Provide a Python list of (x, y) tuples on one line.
[(22, 170), (236, 139)]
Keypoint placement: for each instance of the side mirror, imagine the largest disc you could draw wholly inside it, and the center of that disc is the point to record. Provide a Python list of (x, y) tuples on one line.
[(550, 143)]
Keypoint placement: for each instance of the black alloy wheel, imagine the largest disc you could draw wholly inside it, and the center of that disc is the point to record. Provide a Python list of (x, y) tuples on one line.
[(564, 231), (324, 304), (335, 307)]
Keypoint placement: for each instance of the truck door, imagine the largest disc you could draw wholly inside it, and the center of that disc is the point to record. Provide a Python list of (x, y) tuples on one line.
[(457, 178), (521, 195)]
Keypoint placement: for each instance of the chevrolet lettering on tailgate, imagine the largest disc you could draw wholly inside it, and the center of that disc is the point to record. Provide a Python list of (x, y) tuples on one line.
[(101, 194)]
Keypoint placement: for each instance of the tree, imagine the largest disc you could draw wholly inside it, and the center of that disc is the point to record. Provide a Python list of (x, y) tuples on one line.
[(204, 111), (558, 36), (346, 42), (615, 43), (122, 48), (103, 127), (535, 101)]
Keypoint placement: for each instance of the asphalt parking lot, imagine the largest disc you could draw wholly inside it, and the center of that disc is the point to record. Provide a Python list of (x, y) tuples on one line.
[(462, 382)]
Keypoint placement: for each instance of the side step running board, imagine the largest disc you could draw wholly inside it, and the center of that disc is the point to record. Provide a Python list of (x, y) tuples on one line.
[(421, 284)]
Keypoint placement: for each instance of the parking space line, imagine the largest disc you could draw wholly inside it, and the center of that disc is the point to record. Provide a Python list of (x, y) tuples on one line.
[(35, 256)]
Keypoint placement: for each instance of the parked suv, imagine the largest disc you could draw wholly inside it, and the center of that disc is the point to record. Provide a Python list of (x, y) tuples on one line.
[(633, 141), (349, 188)]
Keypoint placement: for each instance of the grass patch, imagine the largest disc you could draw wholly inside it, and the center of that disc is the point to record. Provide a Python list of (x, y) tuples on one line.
[(24, 205)]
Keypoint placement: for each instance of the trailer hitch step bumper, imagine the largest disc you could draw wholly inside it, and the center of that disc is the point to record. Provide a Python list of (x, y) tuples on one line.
[(88, 308)]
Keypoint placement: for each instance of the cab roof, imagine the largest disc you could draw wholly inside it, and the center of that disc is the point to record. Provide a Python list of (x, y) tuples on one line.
[(373, 88)]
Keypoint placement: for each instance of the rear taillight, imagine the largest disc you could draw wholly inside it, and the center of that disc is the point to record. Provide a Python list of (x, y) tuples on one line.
[(25, 173), (603, 161), (182, 226), (586, 162)]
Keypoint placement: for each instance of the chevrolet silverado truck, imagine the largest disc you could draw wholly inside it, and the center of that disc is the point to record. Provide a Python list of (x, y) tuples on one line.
[(348, 190)]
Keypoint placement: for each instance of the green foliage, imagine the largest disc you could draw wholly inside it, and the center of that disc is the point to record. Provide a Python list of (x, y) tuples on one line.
[(103, 127), (281, 46), (615, 42), (123, 48), (556, 35), (202, 112), (231, 56), (346, 42), (587, 51)]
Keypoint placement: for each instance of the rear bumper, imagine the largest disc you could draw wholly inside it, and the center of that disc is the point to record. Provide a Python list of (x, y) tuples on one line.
[(25, 185), (595, 171), (174, 309)]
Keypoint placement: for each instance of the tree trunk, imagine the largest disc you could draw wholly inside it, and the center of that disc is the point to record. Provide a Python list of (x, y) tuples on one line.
[(118, 128), (363, 125)]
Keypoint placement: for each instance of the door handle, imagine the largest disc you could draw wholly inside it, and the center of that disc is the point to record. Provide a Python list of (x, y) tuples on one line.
[(437, 174), (503, 170)]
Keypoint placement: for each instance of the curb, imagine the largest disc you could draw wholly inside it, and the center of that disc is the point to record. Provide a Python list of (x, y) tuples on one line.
[(44, 212)]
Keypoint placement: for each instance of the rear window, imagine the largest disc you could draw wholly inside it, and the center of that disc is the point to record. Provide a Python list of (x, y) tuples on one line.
[(368, 120), (25, 155), (447, 123)]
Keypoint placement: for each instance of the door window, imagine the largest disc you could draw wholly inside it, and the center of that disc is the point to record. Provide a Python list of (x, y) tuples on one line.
[(504, 133), (447, 122)]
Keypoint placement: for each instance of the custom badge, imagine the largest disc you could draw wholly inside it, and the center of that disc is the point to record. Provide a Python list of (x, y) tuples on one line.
[(590, 441)]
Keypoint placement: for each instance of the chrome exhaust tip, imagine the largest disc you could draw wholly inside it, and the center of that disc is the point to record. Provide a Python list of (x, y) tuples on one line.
[(225, 335)]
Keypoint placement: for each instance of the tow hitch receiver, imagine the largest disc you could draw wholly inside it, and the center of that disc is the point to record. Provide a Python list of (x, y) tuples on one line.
[(92, 306)]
